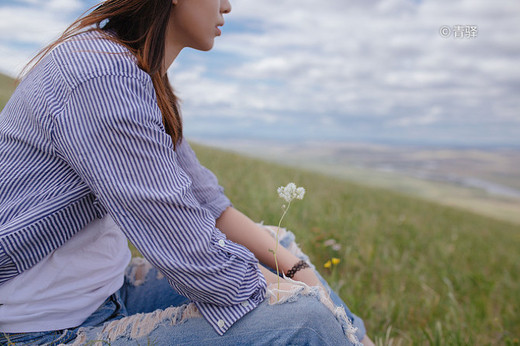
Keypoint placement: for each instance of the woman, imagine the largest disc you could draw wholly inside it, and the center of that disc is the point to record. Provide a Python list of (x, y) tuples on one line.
[(92, 155)]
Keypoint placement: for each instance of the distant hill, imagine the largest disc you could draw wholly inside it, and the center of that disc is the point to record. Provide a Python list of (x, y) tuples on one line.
[(7, 86), (483, 180)]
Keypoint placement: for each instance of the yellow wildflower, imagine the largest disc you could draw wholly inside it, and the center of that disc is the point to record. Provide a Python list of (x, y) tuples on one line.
[(327, 264), (335, 260)]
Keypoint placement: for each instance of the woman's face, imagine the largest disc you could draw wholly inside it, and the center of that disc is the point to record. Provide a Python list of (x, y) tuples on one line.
[(194, 23)]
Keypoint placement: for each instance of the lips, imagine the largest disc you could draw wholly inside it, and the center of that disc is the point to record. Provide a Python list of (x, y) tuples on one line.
[(219, 32)]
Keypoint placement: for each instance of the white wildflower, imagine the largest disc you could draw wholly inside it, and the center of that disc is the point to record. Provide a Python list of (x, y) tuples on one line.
[(290, 192), (329, 242), (332, 244), (300, 192)]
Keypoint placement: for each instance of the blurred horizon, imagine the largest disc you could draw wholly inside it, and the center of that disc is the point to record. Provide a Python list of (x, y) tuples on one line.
[(485, 181)]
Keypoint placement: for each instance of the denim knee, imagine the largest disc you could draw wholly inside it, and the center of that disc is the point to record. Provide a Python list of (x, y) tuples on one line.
[(307, 321)]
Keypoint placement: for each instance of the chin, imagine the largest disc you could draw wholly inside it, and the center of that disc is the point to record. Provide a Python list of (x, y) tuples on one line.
[(206, 46)]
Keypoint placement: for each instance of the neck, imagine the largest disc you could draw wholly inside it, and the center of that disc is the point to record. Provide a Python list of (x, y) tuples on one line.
[(171, 51), (172, 47)]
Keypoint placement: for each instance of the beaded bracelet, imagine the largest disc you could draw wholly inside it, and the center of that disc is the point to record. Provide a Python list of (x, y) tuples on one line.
[(298, 266)]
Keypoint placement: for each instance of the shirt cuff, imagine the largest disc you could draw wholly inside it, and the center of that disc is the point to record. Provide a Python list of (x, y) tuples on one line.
[(221, 318), (218, 205)]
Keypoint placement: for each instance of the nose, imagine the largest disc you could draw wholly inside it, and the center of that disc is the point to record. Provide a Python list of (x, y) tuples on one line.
[(225, 6)]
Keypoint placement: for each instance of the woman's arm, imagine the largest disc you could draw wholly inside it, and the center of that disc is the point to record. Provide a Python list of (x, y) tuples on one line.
[(241, 229), (204, 184), (238, 227), (110, 135)]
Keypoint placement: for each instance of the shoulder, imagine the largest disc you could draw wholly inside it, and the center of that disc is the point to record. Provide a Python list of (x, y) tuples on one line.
[(93, 54)]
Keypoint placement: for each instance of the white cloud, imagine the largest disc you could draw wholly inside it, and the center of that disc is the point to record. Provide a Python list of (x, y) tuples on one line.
[(38, 27), (71, 6), (30, 25), (382, 59), (13, 60), (341, 67)]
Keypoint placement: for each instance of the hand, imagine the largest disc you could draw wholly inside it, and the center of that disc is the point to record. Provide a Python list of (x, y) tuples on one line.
[(277, 288)]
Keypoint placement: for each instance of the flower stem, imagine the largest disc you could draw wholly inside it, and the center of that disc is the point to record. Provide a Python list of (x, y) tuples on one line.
[(276, 249)]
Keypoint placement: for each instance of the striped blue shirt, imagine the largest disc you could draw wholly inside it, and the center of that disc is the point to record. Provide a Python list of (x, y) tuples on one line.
[(83, 136)]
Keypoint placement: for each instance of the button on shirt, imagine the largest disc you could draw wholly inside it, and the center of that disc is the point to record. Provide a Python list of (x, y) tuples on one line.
[(83, 136)]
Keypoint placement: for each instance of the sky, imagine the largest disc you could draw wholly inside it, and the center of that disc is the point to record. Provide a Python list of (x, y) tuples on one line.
[(419, 72)]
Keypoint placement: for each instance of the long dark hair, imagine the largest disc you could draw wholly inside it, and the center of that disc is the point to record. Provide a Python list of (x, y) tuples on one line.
[(140, 25)]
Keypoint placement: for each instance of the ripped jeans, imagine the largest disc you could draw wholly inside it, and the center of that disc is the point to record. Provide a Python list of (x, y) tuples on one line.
[(147, 311)]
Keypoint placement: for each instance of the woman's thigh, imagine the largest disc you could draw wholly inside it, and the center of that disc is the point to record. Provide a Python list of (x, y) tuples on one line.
[(147, 292), (300, 321)]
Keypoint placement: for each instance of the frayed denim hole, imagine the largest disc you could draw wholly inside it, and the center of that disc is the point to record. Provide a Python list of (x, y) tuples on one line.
[(141, 325), (137, 271), (287, 239)]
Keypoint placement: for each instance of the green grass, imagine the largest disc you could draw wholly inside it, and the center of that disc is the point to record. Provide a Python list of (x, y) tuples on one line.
[(7, 86), (417, 272)]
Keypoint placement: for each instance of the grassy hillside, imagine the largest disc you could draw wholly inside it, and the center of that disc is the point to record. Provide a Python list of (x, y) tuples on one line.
[(419, 273), (7, 86)]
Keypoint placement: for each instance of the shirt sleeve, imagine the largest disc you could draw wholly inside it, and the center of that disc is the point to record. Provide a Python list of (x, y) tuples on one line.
[(111, 133), (204, 183)]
